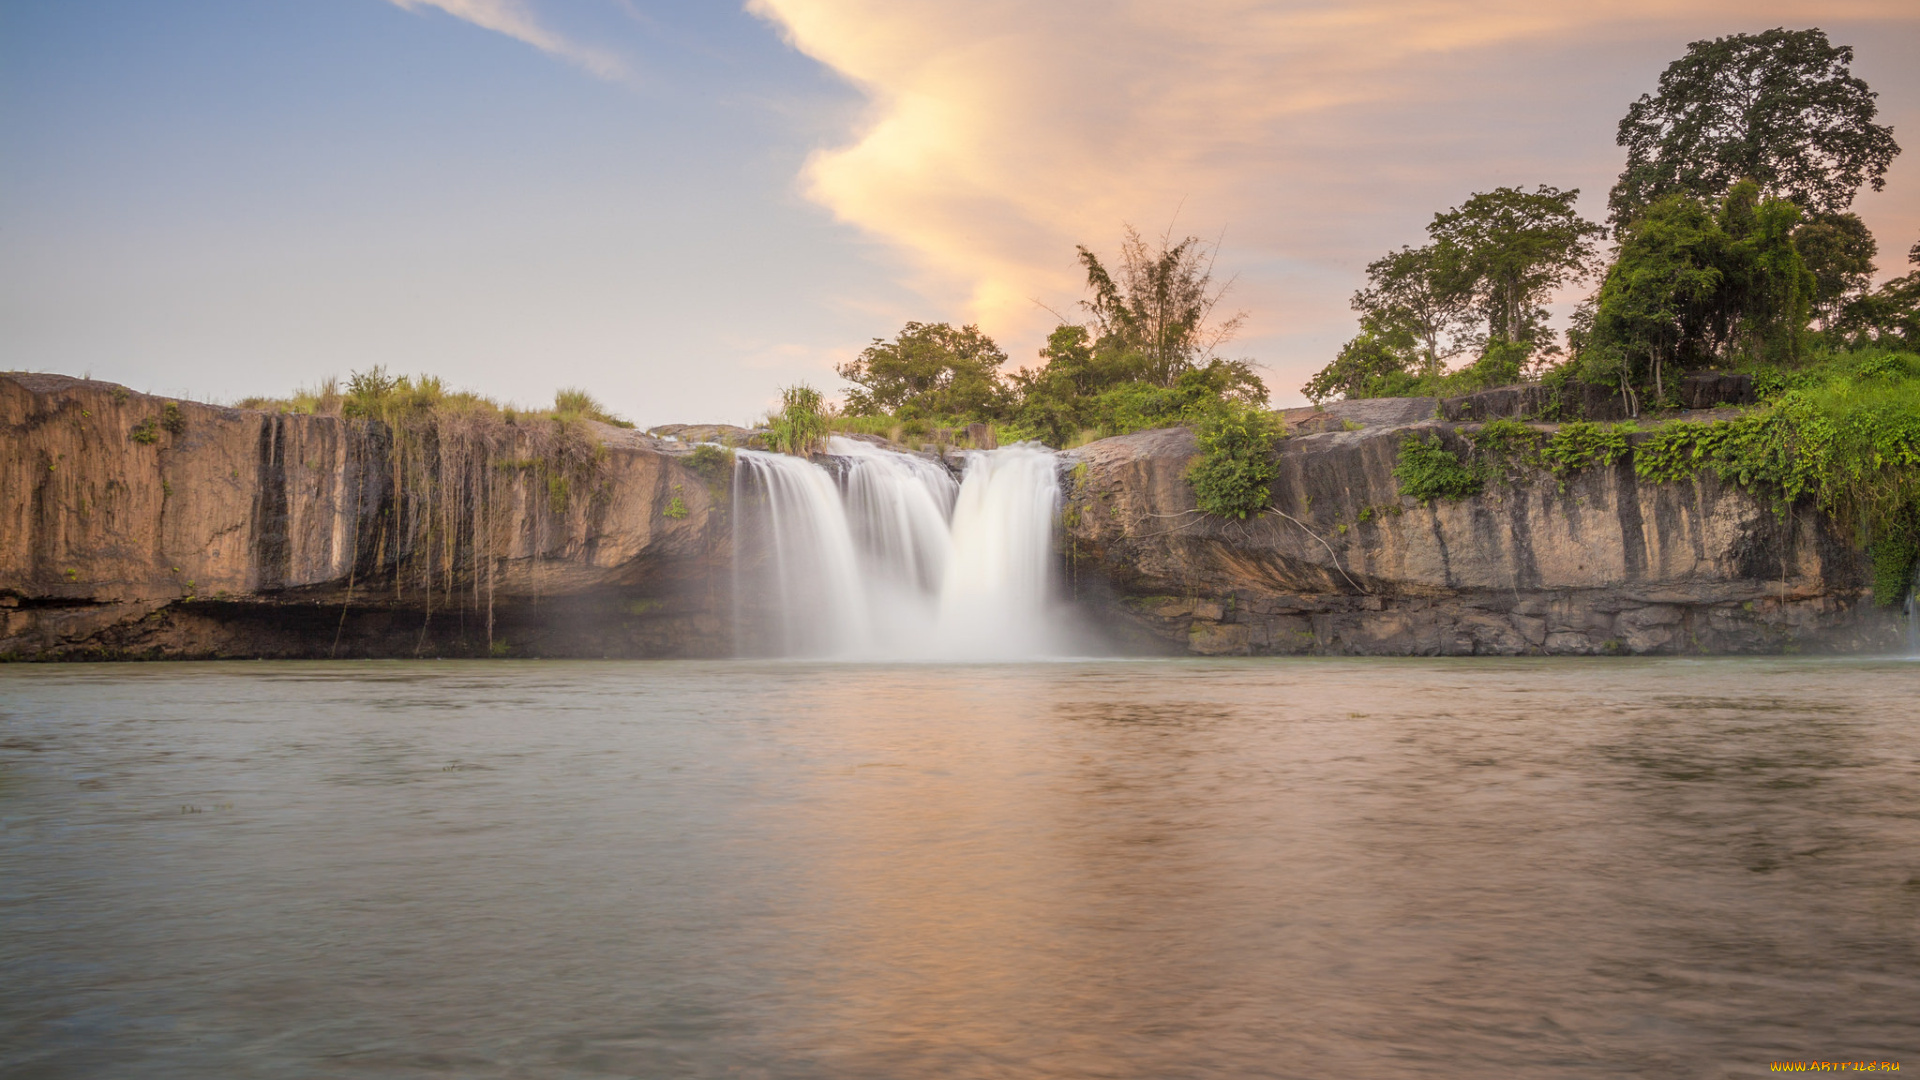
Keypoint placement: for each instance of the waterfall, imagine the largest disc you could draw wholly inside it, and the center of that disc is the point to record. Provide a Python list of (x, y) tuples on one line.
[(876, 554)]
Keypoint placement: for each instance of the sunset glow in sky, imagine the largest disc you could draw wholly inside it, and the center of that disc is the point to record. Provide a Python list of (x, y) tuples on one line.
[(684, 206)]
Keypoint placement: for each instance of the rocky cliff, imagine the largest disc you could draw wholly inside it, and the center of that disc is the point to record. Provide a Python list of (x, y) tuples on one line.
[(136, 526), (1343, 564), (140, 526)]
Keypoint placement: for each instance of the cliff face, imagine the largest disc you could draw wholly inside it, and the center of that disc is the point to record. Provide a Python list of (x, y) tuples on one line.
[(1344, 565), (134, 526), (139, 526)]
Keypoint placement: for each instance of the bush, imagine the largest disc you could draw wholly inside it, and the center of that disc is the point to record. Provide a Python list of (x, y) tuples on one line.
[(1235, 472), (1427, 470)]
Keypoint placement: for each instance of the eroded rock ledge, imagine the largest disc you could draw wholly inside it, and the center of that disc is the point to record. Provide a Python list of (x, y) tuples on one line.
[(137, 526), (1603, 564)]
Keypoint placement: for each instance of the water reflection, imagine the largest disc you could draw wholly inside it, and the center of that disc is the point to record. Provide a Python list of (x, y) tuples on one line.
[(1156, 869)]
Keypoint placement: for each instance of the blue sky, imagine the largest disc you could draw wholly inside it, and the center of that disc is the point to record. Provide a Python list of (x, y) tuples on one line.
[(684, 206)]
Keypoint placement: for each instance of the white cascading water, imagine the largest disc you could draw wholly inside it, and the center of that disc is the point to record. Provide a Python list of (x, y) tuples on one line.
[(883, 556)]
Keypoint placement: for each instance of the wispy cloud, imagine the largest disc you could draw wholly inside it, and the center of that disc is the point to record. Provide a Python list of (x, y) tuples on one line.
[(1002, 132), (510, 17)]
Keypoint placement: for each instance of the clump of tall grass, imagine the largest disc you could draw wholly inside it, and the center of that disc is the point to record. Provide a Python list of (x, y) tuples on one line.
[(802, 424), (574, 402)]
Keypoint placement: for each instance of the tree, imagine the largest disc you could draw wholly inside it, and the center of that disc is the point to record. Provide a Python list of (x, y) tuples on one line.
[(1838, 250), (1657, 299), (1160, 307), (1890, 315), (929, 370), (1507, 250), (1414, 291), (1696, 285), (1781, 108), (1377, 362)]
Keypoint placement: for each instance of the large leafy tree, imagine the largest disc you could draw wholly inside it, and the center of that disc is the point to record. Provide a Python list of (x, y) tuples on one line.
[(1781, 108), (1483, 283), (929, 370), (1696, 285), (1507, 250)]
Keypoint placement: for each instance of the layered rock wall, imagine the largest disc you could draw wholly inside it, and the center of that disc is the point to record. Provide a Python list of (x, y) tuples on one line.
[(1342, 564), (133, 525)]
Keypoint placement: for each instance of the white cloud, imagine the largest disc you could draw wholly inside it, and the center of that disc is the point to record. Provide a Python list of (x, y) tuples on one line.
[(510, 17)]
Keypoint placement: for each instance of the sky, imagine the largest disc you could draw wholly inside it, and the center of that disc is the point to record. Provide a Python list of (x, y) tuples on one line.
[(684, 206)]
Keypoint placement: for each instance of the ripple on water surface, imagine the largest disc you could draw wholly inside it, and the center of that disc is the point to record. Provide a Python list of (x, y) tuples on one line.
[(1122, 869)]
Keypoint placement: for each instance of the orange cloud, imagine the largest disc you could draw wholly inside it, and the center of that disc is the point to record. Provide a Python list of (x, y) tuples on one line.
[(1001, 133)]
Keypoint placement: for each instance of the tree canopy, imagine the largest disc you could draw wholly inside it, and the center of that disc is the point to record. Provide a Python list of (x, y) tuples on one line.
[(930, 369), (1507, 250), (1482, 284), (1696, 285), (1781, 108), (1159, 307)]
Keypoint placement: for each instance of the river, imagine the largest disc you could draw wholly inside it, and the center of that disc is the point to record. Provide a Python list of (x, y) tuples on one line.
[(1153, 869)]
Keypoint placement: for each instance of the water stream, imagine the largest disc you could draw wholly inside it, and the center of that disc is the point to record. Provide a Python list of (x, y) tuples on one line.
[(876, 554)]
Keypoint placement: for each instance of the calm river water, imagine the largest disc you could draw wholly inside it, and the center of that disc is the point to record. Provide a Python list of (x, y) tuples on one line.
[(1300, 868)]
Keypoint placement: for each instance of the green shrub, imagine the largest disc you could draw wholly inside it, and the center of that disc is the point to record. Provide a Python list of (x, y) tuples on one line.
[(146, 432), (1427, 470), (801, 426), (1235, 472)]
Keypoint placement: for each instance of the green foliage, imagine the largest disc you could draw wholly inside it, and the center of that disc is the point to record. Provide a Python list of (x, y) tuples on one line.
[(1844, 436), (146, 432), (1235, 472), (929, 370), (1483, 284), (1509, 250), (714, 465), (1694, 287), (1838, 251), (1888, 316), (801, 426), (1506, 450), (1428, 470), (1584, 445), (171, 419), (676, 508), (1781, 108)]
